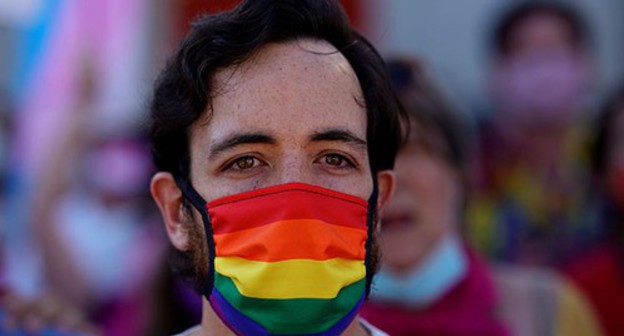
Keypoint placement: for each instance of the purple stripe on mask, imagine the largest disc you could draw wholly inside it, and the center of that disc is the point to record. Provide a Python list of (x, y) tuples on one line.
[(237, 322), (344, 322), (243, 325)]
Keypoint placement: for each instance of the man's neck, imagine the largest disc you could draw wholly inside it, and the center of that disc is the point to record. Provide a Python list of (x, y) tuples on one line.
[(211, 325)]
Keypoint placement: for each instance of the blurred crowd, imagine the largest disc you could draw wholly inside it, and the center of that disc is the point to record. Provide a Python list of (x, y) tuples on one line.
[(508, 221)]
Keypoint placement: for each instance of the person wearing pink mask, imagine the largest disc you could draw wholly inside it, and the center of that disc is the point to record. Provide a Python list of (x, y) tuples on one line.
[(534, 204), (600, 273), (431, 281)]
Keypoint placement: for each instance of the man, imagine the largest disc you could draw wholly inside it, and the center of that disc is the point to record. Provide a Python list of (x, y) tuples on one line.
[(274, 130)]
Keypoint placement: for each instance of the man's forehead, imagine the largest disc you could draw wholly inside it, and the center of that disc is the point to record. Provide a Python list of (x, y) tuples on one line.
[(289, 91), (291, 60)]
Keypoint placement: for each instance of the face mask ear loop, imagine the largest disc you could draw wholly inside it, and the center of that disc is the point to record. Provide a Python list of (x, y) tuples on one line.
[(370, 220), (205, 287)]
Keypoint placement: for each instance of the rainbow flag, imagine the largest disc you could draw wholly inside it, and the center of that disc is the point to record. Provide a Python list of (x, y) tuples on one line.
[(296, 249)]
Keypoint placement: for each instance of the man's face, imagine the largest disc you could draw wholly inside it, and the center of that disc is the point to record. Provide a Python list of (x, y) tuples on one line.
[(292, 113)]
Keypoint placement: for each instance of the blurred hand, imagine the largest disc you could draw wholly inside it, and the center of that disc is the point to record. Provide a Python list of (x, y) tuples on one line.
[(47, 315)]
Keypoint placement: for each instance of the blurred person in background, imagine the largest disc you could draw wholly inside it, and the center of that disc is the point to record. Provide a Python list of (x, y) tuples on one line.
[(431, 281), (96, 228), (600, 272), (94, 223), (47, 314), (534, 201)]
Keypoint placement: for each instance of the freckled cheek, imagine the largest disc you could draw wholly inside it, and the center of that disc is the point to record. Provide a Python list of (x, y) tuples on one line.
[(213, 187), (356, 185)]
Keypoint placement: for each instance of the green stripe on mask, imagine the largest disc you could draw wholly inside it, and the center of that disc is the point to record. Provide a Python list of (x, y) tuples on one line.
[(296, 315)]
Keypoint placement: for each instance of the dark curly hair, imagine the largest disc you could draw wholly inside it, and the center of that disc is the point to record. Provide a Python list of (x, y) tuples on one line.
[(184, 89)]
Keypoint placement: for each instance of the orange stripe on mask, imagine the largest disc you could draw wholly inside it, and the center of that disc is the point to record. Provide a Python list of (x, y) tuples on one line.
[(293, 239)]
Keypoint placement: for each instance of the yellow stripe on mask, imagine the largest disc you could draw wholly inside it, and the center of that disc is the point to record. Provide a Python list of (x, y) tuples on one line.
[(291, 279)]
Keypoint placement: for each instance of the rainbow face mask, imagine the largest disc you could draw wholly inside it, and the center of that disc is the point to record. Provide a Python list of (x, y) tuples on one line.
[(288, 259)]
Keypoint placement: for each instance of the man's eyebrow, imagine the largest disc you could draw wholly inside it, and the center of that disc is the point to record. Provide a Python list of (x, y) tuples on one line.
[(238, 139), (338, 135)]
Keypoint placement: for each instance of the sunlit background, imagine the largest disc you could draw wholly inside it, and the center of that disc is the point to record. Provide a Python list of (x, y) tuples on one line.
[(75, 84)]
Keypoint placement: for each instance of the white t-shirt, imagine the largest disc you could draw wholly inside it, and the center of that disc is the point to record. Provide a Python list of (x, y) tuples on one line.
[(374, 331)]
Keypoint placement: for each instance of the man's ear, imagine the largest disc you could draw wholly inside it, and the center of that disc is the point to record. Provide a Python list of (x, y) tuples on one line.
[(169, 199), (386, 183)]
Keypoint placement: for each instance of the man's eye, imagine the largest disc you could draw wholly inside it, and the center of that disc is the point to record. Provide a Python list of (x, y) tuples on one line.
[(338, 161), (243, 166), (245, 162)]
